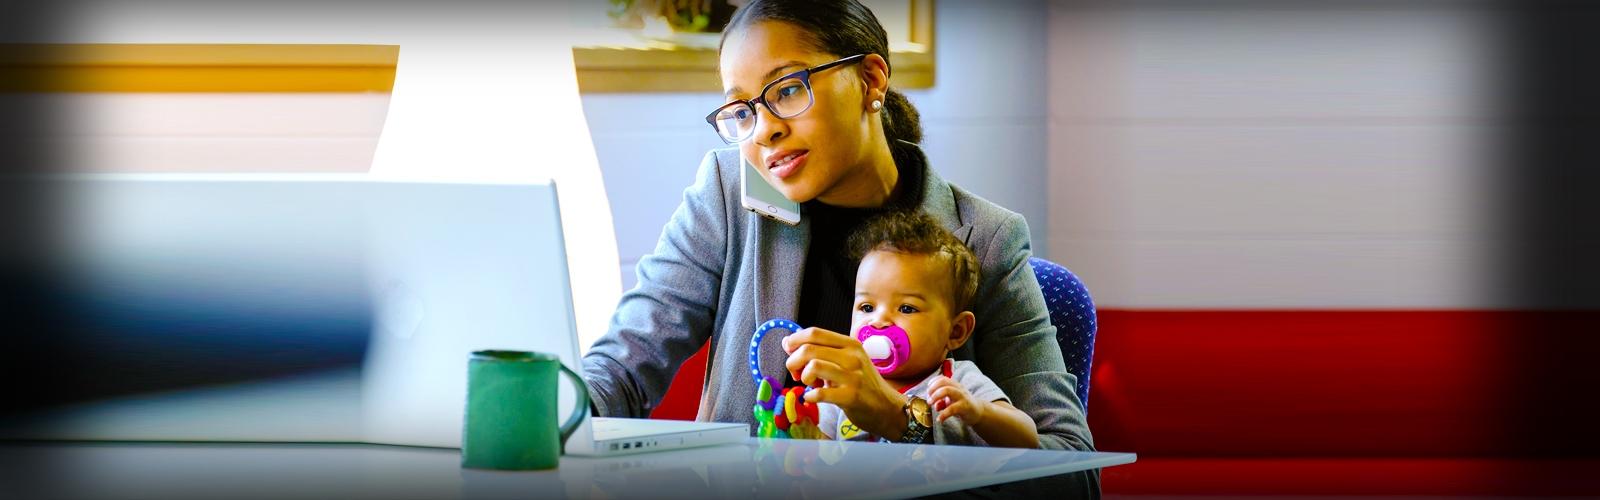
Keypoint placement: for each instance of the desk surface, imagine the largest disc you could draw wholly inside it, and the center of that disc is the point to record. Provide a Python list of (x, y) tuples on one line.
[(757, 468)]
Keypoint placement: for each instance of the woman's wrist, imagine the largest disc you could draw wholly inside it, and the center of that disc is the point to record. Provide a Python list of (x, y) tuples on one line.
[(888, 421)]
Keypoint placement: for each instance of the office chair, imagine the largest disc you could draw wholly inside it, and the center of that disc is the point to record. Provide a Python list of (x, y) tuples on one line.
[(1072, 313)]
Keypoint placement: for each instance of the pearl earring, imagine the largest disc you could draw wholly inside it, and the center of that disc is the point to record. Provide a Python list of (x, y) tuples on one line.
[(876, 105)]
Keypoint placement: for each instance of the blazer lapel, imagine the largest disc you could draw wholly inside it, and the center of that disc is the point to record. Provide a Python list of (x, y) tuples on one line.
[(939, 202), (780, 264)]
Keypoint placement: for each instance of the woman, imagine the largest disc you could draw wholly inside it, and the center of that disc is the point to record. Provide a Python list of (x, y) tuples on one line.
[(810, 107)]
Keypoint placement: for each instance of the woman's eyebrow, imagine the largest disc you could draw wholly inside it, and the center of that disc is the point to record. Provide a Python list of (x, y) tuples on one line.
[(781, 69), (728, 94)]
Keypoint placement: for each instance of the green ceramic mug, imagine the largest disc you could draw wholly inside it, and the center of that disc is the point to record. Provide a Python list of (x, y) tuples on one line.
[(511, 411)]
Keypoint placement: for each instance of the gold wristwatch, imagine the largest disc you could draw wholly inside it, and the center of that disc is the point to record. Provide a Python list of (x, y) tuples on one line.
[(919, 420)]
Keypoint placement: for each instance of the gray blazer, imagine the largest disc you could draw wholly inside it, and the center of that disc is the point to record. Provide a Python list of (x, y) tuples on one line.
[(720, 270)]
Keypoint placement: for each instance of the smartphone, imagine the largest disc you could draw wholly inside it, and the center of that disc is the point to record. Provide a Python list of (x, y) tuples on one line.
[(760, 197)]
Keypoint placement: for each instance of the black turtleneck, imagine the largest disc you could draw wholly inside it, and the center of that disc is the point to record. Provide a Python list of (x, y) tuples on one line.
[(827, 289)]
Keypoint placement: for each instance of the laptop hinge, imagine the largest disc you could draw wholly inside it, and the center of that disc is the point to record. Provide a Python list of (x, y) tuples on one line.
[(582, 440)]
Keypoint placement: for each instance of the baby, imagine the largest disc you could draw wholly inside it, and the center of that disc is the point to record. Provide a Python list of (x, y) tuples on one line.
[(912, 292)]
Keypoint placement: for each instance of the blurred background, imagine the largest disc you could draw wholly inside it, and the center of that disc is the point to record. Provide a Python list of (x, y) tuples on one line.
[(1338, 247)]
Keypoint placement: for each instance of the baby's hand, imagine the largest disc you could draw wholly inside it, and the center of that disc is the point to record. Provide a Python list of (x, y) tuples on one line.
[(950, 399)]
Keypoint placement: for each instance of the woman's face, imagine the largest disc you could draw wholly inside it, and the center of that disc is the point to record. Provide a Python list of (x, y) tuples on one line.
[(825, 143)]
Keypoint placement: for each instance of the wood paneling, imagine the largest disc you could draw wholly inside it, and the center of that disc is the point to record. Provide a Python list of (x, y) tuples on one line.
[(197, 68)]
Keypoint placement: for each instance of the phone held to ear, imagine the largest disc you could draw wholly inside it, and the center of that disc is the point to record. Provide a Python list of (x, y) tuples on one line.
[(762, 198)]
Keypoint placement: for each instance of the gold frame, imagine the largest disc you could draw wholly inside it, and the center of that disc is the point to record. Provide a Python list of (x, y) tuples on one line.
[(666, 68)]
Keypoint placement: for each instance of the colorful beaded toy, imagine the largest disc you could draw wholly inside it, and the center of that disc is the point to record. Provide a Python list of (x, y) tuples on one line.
[(781, 414)]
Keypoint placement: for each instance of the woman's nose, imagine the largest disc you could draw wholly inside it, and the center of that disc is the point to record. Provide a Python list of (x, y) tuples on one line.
[(769, 128)]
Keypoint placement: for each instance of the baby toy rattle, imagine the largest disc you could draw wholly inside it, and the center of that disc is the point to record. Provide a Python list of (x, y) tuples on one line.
[(781, 414), (785, 413)]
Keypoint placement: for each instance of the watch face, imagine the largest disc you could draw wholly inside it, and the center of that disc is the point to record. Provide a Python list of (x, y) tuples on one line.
[(919, 421), (920, 411)]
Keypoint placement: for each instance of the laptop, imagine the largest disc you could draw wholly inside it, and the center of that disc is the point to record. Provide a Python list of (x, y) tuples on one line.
[(320, 308)]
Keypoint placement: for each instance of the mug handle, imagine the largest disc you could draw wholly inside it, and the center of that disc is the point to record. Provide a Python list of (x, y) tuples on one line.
[(578, 410)]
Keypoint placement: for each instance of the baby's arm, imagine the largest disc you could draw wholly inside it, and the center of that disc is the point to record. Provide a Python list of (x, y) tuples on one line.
[(997, 422)]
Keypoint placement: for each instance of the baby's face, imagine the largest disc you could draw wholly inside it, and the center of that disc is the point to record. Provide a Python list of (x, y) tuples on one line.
[(911, 291)]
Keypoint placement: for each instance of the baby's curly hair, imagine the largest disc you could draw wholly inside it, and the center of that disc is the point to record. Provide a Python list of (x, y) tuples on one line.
[(917, 233)]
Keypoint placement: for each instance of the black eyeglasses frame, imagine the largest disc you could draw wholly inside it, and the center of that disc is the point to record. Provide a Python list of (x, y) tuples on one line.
[(805, 79)]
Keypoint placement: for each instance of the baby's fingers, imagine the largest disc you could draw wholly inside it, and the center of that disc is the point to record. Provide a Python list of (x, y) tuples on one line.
[(943, 397), (942, 382), (950, 394), (955, 409)]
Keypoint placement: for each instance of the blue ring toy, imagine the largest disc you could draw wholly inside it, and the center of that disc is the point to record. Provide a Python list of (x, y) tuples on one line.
[(755, 342)]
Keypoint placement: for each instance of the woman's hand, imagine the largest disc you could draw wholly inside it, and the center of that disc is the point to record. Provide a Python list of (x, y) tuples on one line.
[(842, 374)]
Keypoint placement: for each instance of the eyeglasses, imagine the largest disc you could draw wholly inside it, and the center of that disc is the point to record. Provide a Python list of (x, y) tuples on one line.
[(785, 98)]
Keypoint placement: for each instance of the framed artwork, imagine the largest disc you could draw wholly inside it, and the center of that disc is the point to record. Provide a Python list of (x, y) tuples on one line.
[(671, 45)]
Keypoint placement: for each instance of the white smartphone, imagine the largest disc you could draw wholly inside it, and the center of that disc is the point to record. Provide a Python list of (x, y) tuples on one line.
[(762, 198)]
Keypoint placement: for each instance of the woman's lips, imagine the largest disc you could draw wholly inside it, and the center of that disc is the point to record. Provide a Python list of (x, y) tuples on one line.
[(782, 169)]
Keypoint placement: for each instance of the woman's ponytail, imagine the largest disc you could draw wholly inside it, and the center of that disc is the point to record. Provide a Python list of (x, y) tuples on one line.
[(900, 119)]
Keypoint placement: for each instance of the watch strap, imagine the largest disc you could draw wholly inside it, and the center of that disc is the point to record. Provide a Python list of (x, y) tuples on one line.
[(916, 430)]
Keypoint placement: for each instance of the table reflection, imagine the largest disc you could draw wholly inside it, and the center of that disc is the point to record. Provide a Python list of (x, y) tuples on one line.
[(781, 468)]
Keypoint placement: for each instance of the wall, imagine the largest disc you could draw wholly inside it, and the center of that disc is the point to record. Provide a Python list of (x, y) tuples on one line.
[(984, 133), (1239, 154)]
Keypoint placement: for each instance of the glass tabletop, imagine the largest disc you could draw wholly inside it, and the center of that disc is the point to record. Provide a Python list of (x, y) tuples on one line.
[(756, 468)]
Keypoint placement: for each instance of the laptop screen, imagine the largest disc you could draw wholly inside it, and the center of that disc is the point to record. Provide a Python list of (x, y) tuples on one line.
[(294, 307)]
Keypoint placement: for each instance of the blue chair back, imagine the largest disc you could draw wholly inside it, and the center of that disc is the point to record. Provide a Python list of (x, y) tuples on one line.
[(1072, 313)]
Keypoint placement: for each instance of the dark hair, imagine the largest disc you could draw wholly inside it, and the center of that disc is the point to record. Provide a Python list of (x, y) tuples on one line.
[(842, 28), (917, 233)]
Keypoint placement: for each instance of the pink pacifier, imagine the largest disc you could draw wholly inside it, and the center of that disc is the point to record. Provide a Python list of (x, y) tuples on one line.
[(888, 347)]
